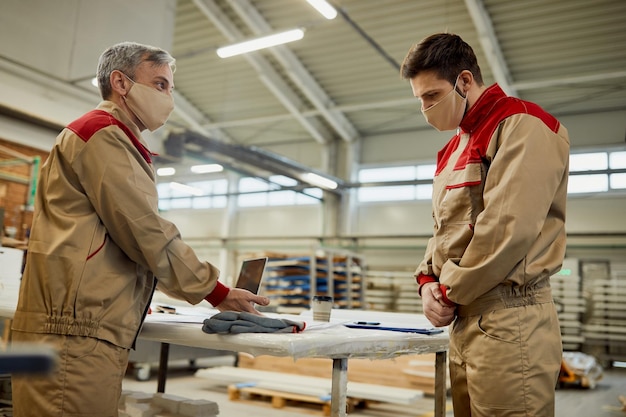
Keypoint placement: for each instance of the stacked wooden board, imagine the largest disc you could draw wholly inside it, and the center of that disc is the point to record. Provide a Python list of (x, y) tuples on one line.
[(605, 329), (392, 291), (291, 281), (408, 300), (306, 389), (380, 291), (567, 293), (401, 380)]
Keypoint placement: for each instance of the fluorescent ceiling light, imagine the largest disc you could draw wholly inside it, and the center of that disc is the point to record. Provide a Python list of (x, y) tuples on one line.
[(206, 169), (260, 43), (186, 188), (166, 172), (319, 181), (324, 8)]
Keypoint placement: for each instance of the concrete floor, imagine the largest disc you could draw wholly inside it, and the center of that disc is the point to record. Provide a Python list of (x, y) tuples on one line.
[(602, 401)]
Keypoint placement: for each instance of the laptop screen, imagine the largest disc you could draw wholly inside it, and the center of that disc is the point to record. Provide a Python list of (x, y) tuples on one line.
[(251, 274)]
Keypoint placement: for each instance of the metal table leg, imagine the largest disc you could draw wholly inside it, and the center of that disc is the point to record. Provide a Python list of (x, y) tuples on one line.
[(338, 402), (440, 384), (163, 359)]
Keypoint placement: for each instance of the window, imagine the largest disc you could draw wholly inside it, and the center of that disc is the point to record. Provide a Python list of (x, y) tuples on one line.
[(590, 172), (597, 172), (617, 181), (387, 174), (258, 193), (253, 192), (617, 160), (588, 161), (387, 193), (194, 195), (595, 183), (408, 173)]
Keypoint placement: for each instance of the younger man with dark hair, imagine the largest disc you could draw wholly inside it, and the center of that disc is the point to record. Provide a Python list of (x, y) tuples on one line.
[(499, 197)]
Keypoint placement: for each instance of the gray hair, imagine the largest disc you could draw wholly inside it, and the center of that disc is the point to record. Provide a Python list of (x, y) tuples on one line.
[(126, 57)]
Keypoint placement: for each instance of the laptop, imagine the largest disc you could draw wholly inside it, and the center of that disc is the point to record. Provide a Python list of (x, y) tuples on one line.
[(251, 274)]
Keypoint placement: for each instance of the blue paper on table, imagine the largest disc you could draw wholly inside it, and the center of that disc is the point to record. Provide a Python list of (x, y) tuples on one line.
[(404, 329)]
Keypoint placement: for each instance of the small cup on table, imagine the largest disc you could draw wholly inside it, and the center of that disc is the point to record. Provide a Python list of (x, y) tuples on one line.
[(322, 306)]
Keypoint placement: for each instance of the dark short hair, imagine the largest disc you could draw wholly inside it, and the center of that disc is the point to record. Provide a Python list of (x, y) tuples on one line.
[(446, 54), (126, 57)]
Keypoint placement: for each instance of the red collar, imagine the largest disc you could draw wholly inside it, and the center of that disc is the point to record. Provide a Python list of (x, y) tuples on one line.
[(482, 108)]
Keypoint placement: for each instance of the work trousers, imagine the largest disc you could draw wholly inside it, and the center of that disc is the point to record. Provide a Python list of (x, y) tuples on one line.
[(87, 381), (505, 363)]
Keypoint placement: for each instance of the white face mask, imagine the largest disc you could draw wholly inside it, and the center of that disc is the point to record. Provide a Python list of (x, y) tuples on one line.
[(447, 113), (151, 106)]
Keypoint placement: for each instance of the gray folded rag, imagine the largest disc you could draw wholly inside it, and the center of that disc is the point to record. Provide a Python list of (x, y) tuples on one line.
[(232, 322)]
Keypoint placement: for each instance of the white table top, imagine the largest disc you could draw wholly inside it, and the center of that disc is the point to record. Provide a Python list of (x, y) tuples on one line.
[(331, 340)]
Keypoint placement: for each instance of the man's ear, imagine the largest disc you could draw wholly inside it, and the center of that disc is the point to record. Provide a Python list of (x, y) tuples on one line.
[(119, 83), (466, 79)]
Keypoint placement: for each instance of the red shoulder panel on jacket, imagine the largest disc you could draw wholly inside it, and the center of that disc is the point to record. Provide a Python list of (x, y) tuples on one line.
[(91, 122), (484, 118)]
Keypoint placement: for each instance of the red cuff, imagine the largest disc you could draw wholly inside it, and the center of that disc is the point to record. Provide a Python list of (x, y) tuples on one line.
[(423, 279), (444, 295), (218, 294)]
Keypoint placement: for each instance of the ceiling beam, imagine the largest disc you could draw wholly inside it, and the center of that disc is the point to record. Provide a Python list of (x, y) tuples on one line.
[(562, 81), (491, 46), (248, 158), (268, 75), (298, 74)]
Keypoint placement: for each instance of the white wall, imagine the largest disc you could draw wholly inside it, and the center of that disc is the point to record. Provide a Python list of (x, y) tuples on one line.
[(26, 134), (81, 31), (598, 215), (596, 129), (402, 218), (585, 131)]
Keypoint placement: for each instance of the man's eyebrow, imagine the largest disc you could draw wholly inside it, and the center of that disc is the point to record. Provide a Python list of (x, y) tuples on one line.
[(430, 92)]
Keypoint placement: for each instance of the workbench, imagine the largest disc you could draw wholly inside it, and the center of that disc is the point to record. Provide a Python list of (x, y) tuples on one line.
[(333, 341)]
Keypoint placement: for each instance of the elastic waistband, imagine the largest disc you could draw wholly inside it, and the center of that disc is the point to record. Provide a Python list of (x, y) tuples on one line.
[(507, 297)]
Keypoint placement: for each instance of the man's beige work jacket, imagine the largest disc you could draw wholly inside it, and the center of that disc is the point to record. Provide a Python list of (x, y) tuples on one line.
[(499, 199), (98, 245)]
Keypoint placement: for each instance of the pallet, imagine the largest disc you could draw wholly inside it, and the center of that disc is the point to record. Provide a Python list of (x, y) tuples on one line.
[(288, 384), (280, 399)]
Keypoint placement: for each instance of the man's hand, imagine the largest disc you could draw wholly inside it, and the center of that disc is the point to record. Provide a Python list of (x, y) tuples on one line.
[(239, 299), (435, 309)]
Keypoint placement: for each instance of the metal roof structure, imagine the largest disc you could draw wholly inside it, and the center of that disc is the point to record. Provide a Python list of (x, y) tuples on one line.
[(341, 82)]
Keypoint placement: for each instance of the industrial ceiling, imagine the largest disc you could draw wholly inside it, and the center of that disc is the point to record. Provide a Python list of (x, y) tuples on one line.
[(341, 82)]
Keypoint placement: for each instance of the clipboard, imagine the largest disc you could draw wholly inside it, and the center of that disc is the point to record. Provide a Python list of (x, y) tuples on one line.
[(423, 330)]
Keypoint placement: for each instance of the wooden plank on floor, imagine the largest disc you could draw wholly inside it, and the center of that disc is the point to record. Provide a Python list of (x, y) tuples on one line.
[(305, 385)]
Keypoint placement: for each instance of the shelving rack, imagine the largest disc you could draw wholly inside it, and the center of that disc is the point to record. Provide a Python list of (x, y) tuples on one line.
[(291, 281)]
